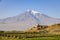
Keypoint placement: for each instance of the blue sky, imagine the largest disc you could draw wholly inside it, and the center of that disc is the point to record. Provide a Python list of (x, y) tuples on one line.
[(10, 8)]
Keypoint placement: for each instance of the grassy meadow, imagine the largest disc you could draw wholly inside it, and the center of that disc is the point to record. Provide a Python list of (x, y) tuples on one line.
[(39, 38), (32, 37)]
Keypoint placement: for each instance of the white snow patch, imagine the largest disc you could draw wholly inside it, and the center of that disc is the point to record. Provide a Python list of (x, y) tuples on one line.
[(34, 12)]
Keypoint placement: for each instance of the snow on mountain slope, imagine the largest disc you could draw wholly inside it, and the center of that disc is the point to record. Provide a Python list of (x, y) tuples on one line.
[(26, 20)]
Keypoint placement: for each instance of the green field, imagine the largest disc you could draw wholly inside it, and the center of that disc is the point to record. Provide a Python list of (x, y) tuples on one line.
[(38, 38), (28, 36)]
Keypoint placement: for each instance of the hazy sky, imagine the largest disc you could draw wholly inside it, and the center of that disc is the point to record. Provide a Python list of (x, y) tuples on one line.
[(9, 8)]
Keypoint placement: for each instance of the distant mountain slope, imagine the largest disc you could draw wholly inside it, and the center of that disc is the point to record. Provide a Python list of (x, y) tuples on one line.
[(25, 20)]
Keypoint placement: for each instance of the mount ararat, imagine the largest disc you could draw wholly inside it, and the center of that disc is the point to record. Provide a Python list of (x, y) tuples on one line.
[(26, 20)]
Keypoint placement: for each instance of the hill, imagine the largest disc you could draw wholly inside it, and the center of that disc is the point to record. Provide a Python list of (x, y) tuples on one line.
[(51, 29)]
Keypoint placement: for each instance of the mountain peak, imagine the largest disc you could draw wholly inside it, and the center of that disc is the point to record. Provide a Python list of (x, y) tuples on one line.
[(26, 20), (33, 11)]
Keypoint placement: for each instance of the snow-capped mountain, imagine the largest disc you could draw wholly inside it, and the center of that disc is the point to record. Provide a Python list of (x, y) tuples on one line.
[(26, 20)]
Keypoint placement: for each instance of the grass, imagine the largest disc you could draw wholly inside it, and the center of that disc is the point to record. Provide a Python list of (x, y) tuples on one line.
[(29, 36), (38, 38)]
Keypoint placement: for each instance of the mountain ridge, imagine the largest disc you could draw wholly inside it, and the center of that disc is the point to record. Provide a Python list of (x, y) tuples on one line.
[(25, 20)]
